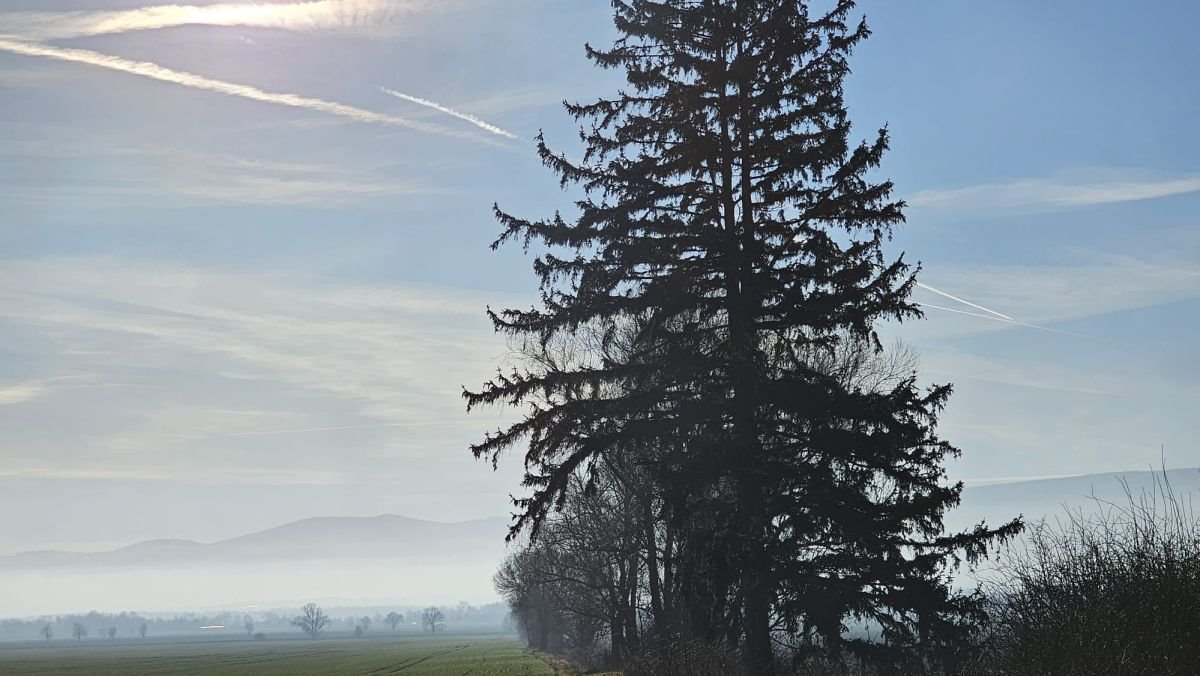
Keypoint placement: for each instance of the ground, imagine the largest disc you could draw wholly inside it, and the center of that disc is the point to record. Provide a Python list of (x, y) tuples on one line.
[(457, 655)]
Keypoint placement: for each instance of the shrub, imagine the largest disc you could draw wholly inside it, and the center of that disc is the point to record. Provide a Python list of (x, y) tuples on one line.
[(680, 657), (1117, 592)]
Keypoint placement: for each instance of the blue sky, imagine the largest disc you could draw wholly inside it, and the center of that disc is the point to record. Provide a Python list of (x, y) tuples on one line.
[(221, 312)]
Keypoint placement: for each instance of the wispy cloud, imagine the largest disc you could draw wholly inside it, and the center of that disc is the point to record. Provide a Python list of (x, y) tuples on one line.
[(1030, 371), (320, 357), (329, 428), (29, 390), (161, 73), (228, 179), (486, 126), (1037, 194), (382, 16), (156, 173), (20, 393)]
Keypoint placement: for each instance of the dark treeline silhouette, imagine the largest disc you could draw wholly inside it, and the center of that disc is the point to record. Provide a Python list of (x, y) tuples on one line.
[(712, 465)]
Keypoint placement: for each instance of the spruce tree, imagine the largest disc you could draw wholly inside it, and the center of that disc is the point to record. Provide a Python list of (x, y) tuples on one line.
[(728, 214)]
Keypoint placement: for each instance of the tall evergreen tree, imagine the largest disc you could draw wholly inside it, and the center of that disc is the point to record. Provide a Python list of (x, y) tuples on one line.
[(728, 214)]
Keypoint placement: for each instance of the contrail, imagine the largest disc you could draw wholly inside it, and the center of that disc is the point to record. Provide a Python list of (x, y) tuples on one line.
[(964, 302), (157, 72), (450, 111), (1006, 321), (298, 16)]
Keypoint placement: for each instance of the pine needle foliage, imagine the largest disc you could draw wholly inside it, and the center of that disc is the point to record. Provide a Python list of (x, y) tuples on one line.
[(727, 213)]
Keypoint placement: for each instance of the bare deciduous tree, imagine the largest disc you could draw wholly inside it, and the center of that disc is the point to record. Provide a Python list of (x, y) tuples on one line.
[(394, 619), (47, 631), (78, 631), (142, 630), (433, 619), (311, 619), (112, 633), (248, 624)]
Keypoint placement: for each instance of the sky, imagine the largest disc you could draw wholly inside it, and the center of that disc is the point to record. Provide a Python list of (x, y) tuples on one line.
[(244, 249)]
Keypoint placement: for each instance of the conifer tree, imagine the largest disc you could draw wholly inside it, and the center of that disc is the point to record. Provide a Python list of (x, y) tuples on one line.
[(728, 214)]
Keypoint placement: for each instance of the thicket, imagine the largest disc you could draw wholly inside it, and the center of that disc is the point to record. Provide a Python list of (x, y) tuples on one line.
[(1112, 590)]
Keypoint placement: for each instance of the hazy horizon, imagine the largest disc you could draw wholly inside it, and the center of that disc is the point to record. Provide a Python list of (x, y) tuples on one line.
[(414, 574)]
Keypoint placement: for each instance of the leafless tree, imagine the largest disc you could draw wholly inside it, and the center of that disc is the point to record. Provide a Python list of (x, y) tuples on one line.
[(142, 630), (394, 619), (248, 623), (47, 631), (365, 623), (311, 619), (112, 633), (78, 631), (433, 619)]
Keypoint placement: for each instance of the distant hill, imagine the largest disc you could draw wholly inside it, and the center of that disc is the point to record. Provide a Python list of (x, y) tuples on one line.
[(1051, 498), (417, 541), (394, 560), (387, 536)]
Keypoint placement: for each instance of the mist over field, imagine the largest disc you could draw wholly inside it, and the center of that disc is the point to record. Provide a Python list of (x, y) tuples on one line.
[(346, 561), (391, 559)]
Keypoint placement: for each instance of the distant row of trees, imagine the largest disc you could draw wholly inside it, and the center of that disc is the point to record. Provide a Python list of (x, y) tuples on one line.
[(312, 620), (79, 631), (488, 617), (79, 626)]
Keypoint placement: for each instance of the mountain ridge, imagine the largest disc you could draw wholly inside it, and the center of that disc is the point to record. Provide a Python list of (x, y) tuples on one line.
[(319, 537), (397, 537)]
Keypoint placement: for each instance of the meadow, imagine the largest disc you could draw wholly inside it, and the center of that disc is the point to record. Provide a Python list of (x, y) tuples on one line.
[(456, 655)]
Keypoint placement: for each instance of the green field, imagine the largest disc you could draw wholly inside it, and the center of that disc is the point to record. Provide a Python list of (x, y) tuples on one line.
[(456, 655)]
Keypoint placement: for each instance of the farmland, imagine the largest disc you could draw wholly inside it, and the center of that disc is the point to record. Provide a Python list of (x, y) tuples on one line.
[(381, 654)]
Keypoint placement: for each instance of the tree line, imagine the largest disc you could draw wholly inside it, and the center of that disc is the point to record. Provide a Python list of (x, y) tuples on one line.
[(311, 619)]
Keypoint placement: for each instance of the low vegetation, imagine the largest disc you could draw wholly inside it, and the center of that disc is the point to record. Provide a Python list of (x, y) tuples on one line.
[(1116, 591), (412, 656)]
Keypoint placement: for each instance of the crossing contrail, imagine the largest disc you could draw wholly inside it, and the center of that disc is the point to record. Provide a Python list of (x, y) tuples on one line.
[(161, 73), (964, 302), (1005, 320), (486, 126)]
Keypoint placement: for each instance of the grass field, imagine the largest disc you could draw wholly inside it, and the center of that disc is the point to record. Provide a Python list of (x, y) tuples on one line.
[(379, 655)]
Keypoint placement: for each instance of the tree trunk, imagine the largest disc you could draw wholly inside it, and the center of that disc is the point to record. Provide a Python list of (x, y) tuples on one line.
[(660, 623), (616, 638), (756, 590), (632, 638)]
